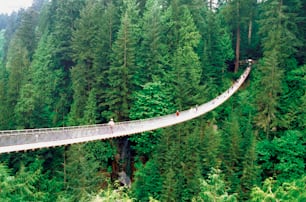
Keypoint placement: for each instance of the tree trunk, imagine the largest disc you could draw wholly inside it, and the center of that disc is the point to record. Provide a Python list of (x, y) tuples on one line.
[(250, 32), (237, 48), (237, 38)]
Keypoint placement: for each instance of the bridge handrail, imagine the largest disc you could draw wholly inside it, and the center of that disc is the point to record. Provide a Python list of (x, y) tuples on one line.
[(41, 130)]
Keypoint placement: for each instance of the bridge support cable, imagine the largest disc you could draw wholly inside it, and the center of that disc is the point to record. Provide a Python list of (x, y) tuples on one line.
[(30, 139)]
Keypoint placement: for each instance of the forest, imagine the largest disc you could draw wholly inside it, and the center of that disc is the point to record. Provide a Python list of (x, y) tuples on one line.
[(82, 62)]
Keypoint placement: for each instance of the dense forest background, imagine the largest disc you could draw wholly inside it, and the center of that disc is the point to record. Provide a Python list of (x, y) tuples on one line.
[(75, 62)]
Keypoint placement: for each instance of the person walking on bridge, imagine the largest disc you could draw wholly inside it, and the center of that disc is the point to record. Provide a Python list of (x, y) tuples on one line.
[(111, 123)]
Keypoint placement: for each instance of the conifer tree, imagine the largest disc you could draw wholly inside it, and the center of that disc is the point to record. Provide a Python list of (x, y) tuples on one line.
[(2, 42), (84, 45), (83, 178), (250, 171), (216, 50), (185, 66), (90, 113), (63, 15), (209, 150), (279, 44), (107, 28), (25, 107), (214, 189), (288, 191), (123, 66), (26, 31), (169, 186), (25, 184), (17, 67), (147, 181), (152, 59), (153, 100), (232, 155), (3, 97), (239, 14)]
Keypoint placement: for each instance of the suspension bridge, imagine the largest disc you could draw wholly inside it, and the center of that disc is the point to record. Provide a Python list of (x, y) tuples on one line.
[(30, 139)]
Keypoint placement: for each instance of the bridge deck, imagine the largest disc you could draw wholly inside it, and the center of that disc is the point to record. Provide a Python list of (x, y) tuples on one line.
[(20, 140)]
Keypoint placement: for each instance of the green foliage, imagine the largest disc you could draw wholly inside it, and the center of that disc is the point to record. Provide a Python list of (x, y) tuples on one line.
[(90, 113), (293, 103), (83, 62), (2, 40), (210, 142), (153, 100), (267, 98), (123, 67), (290, 153), (46, 78), (6, 182), (102, 152), (85, 46), (3, 98), (24, 186), (232, 151), (82, 176), (17, 67), (25, 107), (111, 194), (288, 191), (217, 45), (152, 59), (148, 181), (26, 31), (283, 156), (214, 189), (186, 70), (278, 29), (250, 172)]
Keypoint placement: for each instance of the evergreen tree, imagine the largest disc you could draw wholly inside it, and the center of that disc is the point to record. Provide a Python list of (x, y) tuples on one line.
[(278, 29), (288, 191), (17, 67), (5, 183), (90, 113), (152, 60), (232, 151), (84, 47), (3, 97), (279, 44), (169, 186), (216, 51), (292, 106), (24, 185), (210, 142), (214, 189), (83, 178), (122, 71), (153, 100), (25, 107), (250, 171), (26, 31), (108, 27), (186, 71), (46, 78), (190, 168), (289, 153), (64, 14), (147, 181), (2, 41)]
